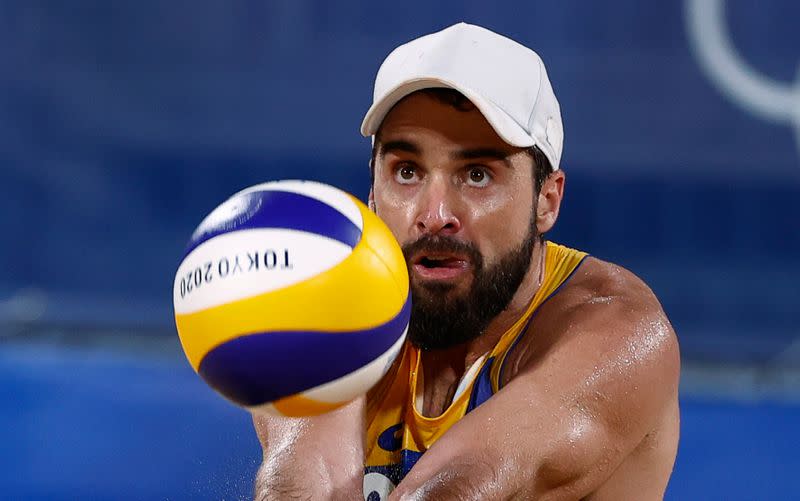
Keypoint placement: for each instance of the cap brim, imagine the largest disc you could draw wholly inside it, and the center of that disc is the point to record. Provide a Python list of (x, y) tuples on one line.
[(502, 123)]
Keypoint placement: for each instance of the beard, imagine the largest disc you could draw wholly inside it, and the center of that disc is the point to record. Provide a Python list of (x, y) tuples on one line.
[(441, 319)]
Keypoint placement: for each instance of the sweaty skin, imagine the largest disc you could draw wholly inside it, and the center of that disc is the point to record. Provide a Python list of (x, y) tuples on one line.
[(588, 407)]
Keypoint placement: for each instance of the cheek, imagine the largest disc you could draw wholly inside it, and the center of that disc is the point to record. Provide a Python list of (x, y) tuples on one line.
[(396, 212), (502, 224)]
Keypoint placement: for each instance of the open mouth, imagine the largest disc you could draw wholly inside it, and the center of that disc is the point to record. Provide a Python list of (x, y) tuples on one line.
[(440, 262), (439, 266)]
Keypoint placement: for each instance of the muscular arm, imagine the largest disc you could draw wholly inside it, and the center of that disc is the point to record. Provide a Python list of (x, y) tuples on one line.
[(312, 458), (584, 396)]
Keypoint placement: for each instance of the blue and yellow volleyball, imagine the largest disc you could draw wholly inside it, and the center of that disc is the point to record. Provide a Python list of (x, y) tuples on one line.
[(292, 298)]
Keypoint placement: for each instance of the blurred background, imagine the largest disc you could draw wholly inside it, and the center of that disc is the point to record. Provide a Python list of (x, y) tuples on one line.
[(123, 123)]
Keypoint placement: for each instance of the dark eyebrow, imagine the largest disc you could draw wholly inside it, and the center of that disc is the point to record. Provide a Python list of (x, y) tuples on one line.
[(399, 145), (480, 153), (466, 154), (476, 153)]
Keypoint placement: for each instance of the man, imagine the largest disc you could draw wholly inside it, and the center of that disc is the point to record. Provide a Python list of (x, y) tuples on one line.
[(531, 370)]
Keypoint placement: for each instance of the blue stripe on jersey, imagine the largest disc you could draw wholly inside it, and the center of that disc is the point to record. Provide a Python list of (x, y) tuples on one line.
[(283, 209), (482, 388), (408, 459), (263, 367)]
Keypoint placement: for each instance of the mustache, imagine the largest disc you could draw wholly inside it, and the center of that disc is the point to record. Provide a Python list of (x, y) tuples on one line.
[(429, 244)]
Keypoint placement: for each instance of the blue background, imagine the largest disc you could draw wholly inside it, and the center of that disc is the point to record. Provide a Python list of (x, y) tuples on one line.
[(80, 423), (122, 125)]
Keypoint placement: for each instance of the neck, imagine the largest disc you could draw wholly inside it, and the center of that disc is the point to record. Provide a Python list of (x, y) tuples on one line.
[(444, 368)]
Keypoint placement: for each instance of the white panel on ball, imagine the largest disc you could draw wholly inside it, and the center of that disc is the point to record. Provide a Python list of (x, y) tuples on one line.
[(246, 263)]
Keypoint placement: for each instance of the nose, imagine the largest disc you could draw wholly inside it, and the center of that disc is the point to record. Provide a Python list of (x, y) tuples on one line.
[(436, 212)]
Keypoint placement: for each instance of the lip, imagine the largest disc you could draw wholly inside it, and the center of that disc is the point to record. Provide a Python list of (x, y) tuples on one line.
[(454, 266)]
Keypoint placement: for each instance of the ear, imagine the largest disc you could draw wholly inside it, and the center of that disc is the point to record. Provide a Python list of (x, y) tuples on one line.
[(549, 201), (371, 200)]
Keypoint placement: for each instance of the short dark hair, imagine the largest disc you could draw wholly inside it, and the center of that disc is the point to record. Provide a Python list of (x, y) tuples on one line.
[(542, 168)]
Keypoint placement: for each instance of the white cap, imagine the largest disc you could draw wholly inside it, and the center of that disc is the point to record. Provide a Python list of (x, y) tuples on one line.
[(505, 80)]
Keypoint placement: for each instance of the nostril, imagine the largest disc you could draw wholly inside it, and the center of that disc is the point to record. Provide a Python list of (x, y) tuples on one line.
[(434, 223), (451, 226)]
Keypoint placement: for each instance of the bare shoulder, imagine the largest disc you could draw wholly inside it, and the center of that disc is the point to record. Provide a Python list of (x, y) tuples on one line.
[(603, 298), (606, 320), (606, 298), (605, 347), (598, 283)]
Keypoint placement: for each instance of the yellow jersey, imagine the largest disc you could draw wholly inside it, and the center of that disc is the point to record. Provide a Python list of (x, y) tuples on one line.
[(398, 435)]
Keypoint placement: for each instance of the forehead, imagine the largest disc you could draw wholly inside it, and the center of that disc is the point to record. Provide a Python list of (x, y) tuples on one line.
[(426, 119)]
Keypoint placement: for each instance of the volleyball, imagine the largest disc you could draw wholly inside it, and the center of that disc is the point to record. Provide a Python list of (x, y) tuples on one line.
[(291, 298)]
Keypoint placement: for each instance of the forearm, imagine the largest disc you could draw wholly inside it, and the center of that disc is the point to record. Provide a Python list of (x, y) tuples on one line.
[(312, 458), (279, 480), (271, 484), (479, 459), (505, 478), (457, 481)]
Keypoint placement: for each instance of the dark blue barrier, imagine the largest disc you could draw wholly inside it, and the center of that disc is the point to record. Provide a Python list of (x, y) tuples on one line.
[(80, 423), (99, 424)]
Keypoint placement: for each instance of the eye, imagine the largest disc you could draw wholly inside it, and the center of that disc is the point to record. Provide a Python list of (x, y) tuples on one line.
[(478, 177), (406, 174)]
